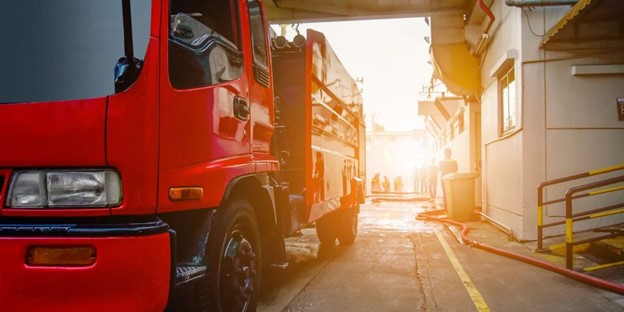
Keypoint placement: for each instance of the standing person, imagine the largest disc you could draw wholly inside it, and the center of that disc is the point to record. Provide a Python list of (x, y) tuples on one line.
[(376, 183), (448, 165), (398, 184), (422, 176), (432, 177), (416, 180), (386, 184)]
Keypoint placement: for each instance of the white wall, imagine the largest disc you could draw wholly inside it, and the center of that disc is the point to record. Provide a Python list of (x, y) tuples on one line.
[(502, 156), (568, 124), (582, 130)]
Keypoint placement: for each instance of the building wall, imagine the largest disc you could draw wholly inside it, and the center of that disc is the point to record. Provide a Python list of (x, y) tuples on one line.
[(502, 155), (567, 124), (582, 126)]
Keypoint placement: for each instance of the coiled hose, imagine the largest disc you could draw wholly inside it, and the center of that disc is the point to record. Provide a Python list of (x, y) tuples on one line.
[(594, 281)]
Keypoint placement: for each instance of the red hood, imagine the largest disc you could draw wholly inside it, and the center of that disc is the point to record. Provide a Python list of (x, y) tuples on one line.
[(63, 133)]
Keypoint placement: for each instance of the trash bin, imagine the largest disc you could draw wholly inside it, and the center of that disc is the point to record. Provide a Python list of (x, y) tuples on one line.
[(460, 195)]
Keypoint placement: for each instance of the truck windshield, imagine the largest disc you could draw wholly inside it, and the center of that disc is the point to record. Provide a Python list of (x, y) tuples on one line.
[(55, 50)]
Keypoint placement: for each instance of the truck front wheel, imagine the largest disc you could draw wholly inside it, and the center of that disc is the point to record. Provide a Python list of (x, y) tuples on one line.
[(233, 259)]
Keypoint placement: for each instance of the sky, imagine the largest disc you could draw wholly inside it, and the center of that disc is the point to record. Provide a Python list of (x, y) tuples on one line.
[(391, 56)]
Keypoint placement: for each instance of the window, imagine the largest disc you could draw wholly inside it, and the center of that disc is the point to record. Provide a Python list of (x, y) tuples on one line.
[(509, 112), (258, 40), (65, 49), (203, 43)]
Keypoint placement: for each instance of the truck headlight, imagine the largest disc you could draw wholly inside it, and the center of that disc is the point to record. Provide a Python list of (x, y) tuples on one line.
[(64, 188)]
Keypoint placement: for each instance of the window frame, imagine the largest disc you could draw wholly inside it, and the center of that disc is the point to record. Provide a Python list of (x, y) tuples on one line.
[(508, 102), (233, 46), (260, 67)]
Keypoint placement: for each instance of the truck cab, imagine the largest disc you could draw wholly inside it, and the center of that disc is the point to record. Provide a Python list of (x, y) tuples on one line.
[(138, 167)]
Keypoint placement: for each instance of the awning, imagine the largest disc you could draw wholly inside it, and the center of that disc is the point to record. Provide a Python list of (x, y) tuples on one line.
[(439, 112), (588, 24), (456, 68)]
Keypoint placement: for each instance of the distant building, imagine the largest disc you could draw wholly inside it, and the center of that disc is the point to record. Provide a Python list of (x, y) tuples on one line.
[(396, 153)]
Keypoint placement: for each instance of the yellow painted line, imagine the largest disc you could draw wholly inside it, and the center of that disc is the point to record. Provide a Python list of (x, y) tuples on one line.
[(607, 190), (472, 290), (607, 169), (556, 246), (604, 266), (559, 249)]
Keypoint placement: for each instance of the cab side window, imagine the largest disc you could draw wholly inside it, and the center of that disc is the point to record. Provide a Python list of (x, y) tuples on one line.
[(204, 46), (258, 39)]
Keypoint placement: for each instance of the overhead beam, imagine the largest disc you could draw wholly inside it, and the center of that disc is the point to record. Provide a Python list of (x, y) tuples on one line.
[(327, 8), (299, 11)]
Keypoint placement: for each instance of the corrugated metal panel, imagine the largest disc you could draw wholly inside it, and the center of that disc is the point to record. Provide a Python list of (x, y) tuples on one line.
[(574, 12)]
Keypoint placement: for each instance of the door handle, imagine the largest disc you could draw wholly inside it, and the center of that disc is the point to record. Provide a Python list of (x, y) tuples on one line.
[(241, 108)]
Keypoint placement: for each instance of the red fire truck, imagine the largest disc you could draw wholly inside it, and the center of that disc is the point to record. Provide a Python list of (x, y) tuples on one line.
[(153, 155)]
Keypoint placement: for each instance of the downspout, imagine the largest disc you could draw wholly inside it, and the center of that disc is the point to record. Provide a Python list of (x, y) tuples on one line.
[(486, 31), (524, 3)]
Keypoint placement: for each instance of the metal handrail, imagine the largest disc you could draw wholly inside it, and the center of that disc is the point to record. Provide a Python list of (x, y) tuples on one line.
[(600, 212), (541, 203)]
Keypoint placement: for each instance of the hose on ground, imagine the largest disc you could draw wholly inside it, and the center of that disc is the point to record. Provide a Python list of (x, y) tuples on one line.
[(398, 199), (610, 286)]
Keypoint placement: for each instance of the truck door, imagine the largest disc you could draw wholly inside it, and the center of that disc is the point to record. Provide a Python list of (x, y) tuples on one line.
[(205, 110), (261, 93)]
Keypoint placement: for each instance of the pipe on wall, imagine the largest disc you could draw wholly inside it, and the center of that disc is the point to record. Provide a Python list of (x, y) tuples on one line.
[(486, 31), (524, 3)]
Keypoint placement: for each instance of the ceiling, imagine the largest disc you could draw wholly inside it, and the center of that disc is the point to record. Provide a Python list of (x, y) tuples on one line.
[(299, 11)]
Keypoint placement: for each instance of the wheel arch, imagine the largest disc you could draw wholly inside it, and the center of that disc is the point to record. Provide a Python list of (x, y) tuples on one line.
[(258, 191)]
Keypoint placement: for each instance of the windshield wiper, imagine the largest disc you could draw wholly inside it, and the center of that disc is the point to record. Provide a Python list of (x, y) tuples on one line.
[(128, 67)]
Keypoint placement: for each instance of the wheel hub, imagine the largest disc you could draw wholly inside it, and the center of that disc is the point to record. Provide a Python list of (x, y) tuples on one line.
[(240, 273)]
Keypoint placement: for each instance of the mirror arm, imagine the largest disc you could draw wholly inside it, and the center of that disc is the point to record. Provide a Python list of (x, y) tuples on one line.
[(128, 67)]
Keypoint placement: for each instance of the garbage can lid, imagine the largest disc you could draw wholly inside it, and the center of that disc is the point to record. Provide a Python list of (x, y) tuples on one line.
[(461, 175)]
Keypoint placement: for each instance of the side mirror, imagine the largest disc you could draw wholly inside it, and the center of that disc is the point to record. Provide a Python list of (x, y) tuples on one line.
[(126, 73), (183, 31)]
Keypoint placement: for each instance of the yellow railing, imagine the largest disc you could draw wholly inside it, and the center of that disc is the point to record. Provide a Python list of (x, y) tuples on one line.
[(585, 190)]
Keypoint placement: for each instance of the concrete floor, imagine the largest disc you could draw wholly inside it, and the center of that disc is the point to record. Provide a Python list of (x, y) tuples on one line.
[(398, 263)]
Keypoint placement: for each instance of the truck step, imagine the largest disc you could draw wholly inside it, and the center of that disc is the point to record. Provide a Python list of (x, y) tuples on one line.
[(187, 273), (280, 266)]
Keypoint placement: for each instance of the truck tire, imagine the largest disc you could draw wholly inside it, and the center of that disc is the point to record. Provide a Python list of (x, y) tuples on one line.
[(326, 229), (233, 260), (347, 230)]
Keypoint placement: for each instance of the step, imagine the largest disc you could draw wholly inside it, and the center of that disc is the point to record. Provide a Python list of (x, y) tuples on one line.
[(187, 273), (614, 245)]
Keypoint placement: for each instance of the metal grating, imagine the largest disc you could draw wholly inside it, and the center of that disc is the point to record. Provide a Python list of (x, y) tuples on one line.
[(187, 273)]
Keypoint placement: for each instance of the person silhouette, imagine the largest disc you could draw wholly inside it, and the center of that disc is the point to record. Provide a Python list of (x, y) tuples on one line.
[(432, 177), (446, 166), (386, 184)]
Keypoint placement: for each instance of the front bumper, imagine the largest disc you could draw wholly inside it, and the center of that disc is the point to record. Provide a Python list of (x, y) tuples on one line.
[(131, 271)]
